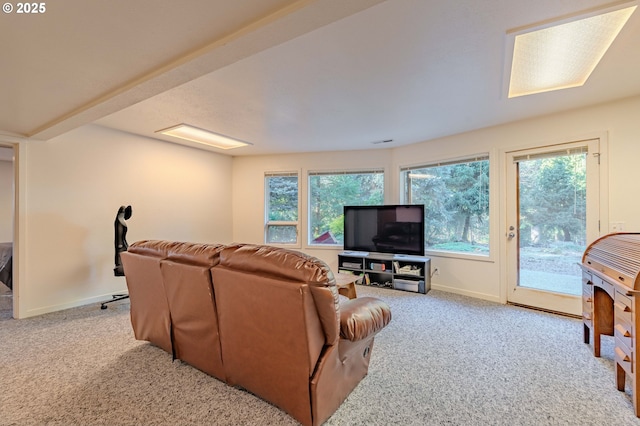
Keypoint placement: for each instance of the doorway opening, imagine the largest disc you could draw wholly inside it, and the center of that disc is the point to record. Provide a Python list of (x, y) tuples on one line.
[(7, 214)]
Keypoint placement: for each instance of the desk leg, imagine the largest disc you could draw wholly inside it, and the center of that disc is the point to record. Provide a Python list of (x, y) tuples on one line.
[(620, 376), (635, 397), (602, 317), (596, 341), (587, 333)]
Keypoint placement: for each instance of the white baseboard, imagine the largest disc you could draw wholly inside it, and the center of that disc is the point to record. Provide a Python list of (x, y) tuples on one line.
[(74, 304), (462, 292)]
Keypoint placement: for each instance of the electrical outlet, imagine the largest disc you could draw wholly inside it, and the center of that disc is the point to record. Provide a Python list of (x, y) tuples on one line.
[(616, 226)]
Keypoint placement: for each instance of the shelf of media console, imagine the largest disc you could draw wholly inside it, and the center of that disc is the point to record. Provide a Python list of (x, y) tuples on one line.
[(400, 272)]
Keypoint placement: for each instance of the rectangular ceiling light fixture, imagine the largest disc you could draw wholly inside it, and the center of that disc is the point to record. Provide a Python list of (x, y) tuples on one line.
[(205, 137), (563, 54)]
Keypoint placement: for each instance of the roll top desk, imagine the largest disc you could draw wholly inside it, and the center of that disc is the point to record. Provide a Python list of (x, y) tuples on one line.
[(611, 302)]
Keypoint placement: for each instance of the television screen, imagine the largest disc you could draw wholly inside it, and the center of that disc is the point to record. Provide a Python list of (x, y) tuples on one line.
[(397, 229)]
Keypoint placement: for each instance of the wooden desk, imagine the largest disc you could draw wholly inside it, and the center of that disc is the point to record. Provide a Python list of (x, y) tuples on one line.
[(346, 284), (611, 303)]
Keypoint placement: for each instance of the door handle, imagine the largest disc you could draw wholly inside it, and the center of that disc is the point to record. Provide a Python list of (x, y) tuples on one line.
[(510, 235)]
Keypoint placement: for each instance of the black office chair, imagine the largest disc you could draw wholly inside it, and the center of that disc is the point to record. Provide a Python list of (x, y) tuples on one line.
[(120, 241)]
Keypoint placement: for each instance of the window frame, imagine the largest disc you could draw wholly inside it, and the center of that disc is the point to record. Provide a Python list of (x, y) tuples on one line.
[(310, 173), (405, 195), (272, 223)]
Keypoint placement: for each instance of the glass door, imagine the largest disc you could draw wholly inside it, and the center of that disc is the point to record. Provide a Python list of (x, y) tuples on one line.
[(552, 203)]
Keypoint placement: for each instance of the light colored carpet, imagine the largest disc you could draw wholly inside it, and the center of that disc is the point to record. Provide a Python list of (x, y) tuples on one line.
[(443, 360)]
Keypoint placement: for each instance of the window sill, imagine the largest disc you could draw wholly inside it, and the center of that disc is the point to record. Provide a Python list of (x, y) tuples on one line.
[(459, 255), (323, 247), (293, 246)]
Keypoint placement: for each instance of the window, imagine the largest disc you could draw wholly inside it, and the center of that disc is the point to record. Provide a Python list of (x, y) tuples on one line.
[(456, 199), (329, 192), (281, 208)]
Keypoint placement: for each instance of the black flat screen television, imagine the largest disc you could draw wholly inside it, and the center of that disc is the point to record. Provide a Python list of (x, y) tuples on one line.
[(397, 229)]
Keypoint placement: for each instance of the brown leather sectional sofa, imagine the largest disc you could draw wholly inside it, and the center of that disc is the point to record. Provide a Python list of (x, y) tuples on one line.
[(265, 319)]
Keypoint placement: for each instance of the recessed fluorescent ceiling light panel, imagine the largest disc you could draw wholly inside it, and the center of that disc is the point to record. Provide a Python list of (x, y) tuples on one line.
[(562, 55), (205, 137)]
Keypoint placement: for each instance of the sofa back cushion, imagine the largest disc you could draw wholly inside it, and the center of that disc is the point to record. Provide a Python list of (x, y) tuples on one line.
[(153, 248), (271, 337), (150, 316), (271, 330), (187, 282), (295, 267), (277, 263), (195, 253)]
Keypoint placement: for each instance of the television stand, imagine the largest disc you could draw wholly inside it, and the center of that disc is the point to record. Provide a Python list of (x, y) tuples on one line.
[(399, 272)]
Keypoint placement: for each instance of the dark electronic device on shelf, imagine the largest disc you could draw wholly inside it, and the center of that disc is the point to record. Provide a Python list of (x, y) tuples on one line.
[(396, 229)]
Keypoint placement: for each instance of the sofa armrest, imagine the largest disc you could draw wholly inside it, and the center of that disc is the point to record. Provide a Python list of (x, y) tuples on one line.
[(363, 317)]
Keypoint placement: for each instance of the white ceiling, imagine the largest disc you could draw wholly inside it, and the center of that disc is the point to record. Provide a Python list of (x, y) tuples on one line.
[(289, 76)]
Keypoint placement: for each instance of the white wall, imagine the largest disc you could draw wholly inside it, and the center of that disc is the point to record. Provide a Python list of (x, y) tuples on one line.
[(74, 187), (6, 200), (618, 122)]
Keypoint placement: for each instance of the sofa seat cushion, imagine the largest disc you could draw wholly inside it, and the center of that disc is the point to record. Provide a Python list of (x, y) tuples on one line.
[(363, 317)]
